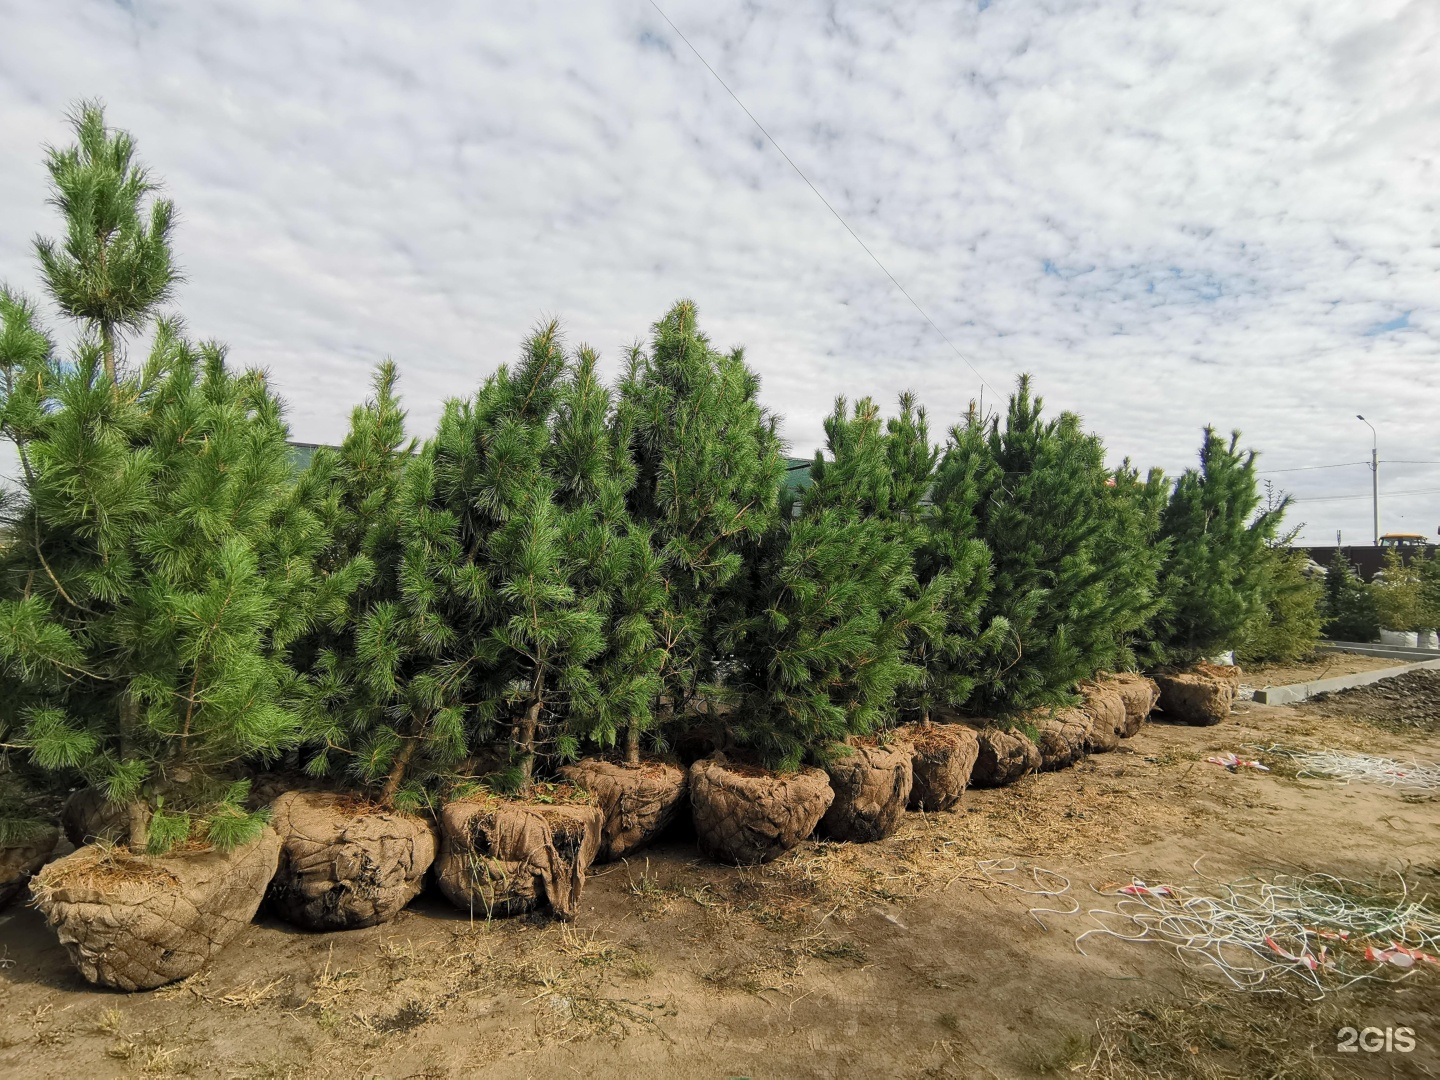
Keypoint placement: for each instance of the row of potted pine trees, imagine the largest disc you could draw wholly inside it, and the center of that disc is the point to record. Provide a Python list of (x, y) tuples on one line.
[(518, 631)]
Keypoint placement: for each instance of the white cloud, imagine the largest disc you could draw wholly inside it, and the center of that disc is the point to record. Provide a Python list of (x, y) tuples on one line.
[(1170, 212)]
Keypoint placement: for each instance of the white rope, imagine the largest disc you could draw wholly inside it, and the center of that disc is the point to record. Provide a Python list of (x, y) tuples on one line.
[(1345, 767), (1257, 932), (1043, 880)]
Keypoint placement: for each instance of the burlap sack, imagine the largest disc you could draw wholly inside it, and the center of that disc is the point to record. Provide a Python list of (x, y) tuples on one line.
[(1002, 758), (344, 863), (19, 862), (502, 857), (1061, 738), (1193, 697), (746, 815), (943, 760), (1138, 694), (135, 922), (871, 786), (1105, 708), (638, 802)]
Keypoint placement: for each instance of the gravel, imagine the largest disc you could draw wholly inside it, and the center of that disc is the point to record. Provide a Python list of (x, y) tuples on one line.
[(1409, 702)]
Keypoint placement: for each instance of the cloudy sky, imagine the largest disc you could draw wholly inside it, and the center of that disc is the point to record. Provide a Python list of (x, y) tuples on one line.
[(1171, 212)]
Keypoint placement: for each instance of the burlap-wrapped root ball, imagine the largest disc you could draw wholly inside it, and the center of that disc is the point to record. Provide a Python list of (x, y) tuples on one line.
[(1105, 708), (638, 801), (872, 788), (19, 862), (1193, 697), (345, 863), (1226, 673), (942, 762), (1138, 694), (1002, 758), (746, 815), (135, 922), (501, 857), (1061, 738)]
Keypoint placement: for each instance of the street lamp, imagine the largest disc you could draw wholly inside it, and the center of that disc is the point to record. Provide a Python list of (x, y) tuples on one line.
[(1374, 474)]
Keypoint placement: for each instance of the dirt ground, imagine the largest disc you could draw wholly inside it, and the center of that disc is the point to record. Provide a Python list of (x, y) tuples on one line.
[(1323, 666), (914, 957)]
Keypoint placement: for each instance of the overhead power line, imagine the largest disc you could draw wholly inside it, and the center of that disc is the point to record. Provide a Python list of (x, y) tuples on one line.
[(799, 172), (1307, 468), (1367, 495)]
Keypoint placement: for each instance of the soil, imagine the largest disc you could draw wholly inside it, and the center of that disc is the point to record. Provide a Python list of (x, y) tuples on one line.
[(1322, 666), (1409, 702), (911, 957)]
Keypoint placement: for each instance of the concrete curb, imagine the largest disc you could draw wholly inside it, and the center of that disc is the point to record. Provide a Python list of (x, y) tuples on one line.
[(1288, 695), (1397, 652)]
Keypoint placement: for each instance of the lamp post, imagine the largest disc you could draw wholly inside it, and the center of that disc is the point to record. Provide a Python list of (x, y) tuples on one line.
[(1374, 474)]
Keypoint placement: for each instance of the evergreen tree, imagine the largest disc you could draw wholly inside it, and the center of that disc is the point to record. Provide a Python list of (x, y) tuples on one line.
[(1217, 532), (352, 685), (1070, 580), (1428, 568), (708, 471), (503, 629), (160, 560), (1397, 590), (617, 561), (1349, 606), (820, 621), (934, 510), (1286, 626)]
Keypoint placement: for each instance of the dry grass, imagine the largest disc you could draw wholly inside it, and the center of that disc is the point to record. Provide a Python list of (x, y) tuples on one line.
[(563, 977), (1218, 1035)]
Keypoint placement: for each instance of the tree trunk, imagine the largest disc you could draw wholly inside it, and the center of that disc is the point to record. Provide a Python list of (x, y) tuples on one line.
[(107, 345), (632, 744), (397, 771), (139, 827), (139, 819), (528, 728)]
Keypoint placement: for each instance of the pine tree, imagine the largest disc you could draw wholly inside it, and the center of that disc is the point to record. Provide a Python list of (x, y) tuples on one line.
[(1428, 567), (1069, 580), (708, 474), (968, 651), (504, 631), (820, 622), (1217, 531), (351, 685), (617, 561), (1349, 605), (160, 560), (1397, 590)]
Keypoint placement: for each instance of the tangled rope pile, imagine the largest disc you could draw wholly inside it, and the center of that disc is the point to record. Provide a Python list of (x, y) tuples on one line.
[(1324, 931), (1345, 767)]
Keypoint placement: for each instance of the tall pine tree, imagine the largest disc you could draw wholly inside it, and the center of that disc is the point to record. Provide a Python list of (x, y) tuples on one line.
[(1211, 582), (1069, 580), (822, 624), (161, 559), (503, 626), (351, 683), (708, 467)]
